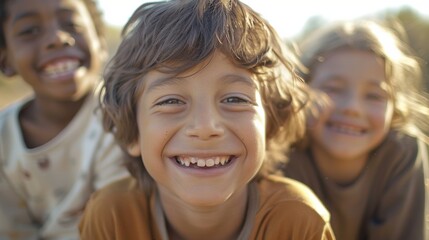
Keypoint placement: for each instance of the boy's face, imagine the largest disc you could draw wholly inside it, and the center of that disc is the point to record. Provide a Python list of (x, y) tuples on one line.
[(362, 110), (54, 46), (202, 134)]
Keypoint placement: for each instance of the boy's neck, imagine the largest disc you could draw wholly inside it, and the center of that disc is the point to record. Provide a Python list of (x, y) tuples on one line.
[(42, 119), (220, 222)]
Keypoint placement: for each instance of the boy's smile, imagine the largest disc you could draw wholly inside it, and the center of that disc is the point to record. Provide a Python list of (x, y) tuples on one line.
[(60, 69), (202, 133), (203, 162)]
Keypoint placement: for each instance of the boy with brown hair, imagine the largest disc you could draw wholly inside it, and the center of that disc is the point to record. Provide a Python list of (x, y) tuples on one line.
[(201, 94)]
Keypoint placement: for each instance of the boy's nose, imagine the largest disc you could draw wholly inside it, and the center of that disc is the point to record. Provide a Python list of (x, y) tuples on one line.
[(205, 123), (57, 38)]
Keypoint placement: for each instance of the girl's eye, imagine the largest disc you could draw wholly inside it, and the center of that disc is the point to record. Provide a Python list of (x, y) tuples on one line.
[(375, 96), (235, 100), (169, 101)]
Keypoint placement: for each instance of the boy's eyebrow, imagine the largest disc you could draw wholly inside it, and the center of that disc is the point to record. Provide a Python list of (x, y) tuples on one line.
[(31, 14), (232, 78), (65, 10), (22, 15), (229, 78), (239, 78), (163, 81)]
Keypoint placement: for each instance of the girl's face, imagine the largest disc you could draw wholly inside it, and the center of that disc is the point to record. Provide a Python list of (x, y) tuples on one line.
[(201, 134), (361, 111)]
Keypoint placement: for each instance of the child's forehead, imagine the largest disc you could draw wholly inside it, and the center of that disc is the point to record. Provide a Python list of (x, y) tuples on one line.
[(155, 79), (216, 65), (22, 8)]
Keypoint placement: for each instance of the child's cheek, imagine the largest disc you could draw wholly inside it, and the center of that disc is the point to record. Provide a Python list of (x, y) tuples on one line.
[(319, 111)]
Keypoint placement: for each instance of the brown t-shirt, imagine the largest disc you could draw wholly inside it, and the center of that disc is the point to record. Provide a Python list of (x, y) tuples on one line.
[(281, 209), (388, 199)]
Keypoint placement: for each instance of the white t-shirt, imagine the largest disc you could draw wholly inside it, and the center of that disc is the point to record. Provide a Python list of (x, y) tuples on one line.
[(43, 190)]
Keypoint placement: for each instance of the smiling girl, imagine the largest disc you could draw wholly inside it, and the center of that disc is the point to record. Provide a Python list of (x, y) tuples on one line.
[(364, 155)]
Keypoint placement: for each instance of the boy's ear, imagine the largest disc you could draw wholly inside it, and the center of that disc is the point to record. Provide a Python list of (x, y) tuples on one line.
[(134, 149), (5, 67)]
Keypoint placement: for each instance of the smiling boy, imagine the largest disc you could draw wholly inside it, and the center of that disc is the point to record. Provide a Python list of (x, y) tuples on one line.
[(202, 96)]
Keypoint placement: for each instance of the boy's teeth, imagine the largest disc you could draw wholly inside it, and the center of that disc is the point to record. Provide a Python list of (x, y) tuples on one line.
[(203, 163), (61, 67), (210, 163)]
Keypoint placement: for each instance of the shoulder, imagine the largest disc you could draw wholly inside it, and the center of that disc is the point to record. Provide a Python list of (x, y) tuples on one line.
[(11, 111), (10, 129), (119, 208), (114, 194), (397, 151), (289, 209), (300, 166), (9, 120), (282, 193), (119, 197), (87, 124), (396, 142)]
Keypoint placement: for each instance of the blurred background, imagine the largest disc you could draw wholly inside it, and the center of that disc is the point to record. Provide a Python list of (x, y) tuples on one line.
[(292, 19)]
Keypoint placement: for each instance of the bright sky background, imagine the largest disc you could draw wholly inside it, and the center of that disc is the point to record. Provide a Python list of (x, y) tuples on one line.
[(287, 16)]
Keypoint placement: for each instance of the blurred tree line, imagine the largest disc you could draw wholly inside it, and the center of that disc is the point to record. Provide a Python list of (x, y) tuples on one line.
[(408, 24)]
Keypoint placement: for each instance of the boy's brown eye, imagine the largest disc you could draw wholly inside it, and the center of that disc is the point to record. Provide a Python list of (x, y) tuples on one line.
[(71, 26), (33, 30), (170, 101), (235, 100)]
